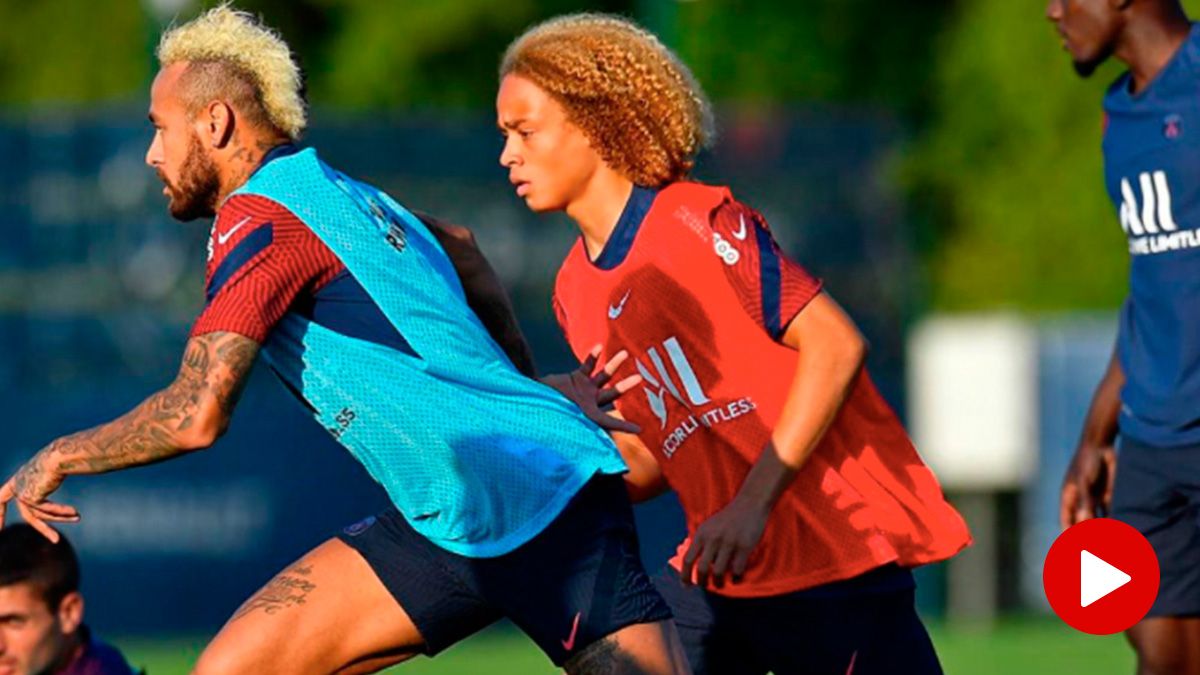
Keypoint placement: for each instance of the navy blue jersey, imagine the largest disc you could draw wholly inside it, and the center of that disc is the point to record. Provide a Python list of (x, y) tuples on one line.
[(1152, 170)]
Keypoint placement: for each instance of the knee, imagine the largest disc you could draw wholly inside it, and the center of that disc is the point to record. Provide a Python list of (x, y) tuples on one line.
[(234, 657), (1161, 657), (220, 662)]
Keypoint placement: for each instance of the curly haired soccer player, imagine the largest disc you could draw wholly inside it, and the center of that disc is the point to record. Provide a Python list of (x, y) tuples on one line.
[(805, 501), (1149, 394), (507, 497)]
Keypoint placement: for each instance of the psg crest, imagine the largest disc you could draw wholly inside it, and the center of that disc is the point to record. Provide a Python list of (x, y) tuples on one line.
[(1172, 126)]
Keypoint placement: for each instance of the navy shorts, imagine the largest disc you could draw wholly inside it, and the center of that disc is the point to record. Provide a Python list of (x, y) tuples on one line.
[(863, 626), (1157, 491), (579, 580)]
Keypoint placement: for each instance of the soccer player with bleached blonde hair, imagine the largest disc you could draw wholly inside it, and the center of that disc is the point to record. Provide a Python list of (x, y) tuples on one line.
[(507, 497), (806, 503)]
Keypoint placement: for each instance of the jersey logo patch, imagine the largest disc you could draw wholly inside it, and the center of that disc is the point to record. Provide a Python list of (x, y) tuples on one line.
[(740, 233), (614, 312), (569, 643), (223, 237), (725, 251), (1154, 214), (1148, 218), (1172, 126), (662, 385)]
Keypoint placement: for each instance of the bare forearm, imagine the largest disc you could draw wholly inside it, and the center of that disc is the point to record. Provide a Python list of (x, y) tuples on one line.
[(1100, 426), (147, 434), (830, 355), (188, 415), (496, 313), (485, 292), (820, 388), (815, 399), (644, 479)]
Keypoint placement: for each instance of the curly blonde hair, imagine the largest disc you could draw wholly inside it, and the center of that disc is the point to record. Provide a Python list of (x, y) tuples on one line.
[(635, 100), (232, 55)]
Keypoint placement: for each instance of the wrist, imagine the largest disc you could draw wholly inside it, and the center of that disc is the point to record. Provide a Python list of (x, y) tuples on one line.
[(1093, 444), (48, 460), (755, 501)]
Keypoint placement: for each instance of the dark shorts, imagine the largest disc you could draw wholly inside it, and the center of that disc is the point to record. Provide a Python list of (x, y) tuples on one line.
[(576, 582), (1157, 491), (863, 626)]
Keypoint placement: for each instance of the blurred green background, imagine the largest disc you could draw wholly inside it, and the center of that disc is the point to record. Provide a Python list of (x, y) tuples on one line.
[(1001, 168), (1028, 646)]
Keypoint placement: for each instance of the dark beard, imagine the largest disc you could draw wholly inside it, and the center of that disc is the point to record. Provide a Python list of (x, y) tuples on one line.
[(199, 186), (1085, 68)]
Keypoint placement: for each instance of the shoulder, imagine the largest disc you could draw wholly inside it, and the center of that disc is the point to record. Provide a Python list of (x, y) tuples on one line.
[(100, 658), (249, 210), (708, 209), (691, 195), (255, 219), (686, 207)]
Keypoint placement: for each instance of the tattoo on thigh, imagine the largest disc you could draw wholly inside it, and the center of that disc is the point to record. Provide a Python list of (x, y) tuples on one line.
[(603, 657), (288, 589)]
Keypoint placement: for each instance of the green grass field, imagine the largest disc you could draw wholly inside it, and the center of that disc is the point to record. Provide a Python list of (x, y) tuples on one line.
[(1025, 646)]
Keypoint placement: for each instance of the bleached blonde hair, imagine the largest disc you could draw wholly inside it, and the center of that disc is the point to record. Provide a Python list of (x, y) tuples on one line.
[(232, 55)]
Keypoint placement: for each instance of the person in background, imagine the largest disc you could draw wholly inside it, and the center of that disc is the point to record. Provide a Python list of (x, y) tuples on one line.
[(41, 611), (1147, 396)]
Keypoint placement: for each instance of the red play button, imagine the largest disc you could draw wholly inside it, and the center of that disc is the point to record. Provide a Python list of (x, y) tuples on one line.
[(1101, 576)]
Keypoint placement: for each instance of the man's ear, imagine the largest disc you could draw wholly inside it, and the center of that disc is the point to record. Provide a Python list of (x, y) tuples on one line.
[(216, 124), (70, 612)]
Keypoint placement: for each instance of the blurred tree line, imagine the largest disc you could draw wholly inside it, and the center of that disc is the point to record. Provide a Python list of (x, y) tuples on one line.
[(1002, 171)]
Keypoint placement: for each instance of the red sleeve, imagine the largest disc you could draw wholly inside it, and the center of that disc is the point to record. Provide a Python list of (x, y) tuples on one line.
[(772, 287), (262, 258)]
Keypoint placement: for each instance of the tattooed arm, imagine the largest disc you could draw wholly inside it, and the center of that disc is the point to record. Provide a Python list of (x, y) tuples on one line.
[(190, 414)]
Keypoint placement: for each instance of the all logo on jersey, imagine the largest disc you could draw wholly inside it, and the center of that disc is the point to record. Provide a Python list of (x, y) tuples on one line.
[(1147, 216), (689, 394), (662, 385)]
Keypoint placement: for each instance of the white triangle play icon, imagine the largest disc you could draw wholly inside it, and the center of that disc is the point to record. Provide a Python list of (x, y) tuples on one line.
[(1097, 578)]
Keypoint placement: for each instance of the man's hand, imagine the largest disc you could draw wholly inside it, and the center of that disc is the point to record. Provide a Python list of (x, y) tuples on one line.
[(586, 389), (29, 489), (1088, 484), (724, 542)]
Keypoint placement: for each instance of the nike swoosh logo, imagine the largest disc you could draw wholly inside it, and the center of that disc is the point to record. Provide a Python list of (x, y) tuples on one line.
[(223, 237), (740, 233), (569, 643), (614, 312)]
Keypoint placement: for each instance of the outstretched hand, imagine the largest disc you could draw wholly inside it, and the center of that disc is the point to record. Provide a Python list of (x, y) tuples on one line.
[(30, 489), (586, 388)]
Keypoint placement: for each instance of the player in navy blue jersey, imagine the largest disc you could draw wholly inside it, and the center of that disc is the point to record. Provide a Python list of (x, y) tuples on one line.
[(1150, 395)]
